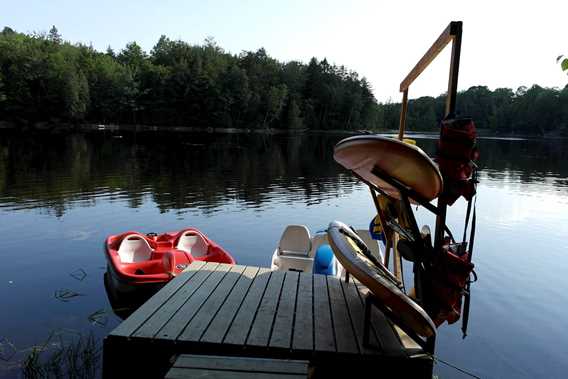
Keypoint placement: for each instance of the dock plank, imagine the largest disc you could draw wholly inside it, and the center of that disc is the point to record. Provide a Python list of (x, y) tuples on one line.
[(146, 310), (357, 312), (264, 319), (241, 325), (149, 328), (304, 324), (342, 325), (222, 320), (282, 330), (196, 327), (174, 327), (390, 343), (323, 326), (283, 366), (189, 373)]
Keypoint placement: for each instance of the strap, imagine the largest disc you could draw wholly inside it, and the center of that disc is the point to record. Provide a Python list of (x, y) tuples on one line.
[(472, 233), (465, 319), (447, 230), (467, 213)]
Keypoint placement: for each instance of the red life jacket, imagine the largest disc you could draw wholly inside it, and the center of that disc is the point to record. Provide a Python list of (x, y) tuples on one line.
[(455, 156), (447, 278), (449, 270)]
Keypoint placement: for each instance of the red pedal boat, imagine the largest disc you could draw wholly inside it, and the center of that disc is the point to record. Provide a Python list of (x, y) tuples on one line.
[(136, 260)]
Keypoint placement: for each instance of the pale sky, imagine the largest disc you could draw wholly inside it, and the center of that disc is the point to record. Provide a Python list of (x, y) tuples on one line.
[(505, 43)]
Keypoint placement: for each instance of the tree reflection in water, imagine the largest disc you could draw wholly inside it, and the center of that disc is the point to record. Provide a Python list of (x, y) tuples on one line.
[(182, 172)]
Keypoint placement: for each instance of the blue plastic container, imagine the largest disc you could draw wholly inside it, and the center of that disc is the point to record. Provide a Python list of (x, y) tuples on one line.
[(324, 260)]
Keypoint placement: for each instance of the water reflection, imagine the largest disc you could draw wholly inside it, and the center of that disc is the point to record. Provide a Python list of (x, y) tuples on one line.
[(204, 172), (123, 306)]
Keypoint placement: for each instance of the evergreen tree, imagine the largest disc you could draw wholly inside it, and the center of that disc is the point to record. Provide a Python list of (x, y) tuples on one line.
[(43, 78), (54, 35)]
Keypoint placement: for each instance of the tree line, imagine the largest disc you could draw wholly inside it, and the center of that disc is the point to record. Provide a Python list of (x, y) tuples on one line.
[(44, 78), (526, 111)]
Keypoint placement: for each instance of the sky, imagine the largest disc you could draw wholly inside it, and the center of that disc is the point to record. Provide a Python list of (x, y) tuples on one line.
[(505, 43)]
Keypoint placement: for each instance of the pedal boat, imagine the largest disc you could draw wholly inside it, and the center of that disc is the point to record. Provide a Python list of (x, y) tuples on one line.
[(138, 261), (299, 251)]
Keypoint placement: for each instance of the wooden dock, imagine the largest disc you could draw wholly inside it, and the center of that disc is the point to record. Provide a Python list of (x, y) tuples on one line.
[(233, 310)]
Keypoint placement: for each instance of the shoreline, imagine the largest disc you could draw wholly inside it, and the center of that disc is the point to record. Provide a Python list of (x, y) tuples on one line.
[(90, 127)]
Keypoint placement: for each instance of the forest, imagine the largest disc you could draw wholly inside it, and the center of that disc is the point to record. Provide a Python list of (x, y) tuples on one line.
[(45, 79)]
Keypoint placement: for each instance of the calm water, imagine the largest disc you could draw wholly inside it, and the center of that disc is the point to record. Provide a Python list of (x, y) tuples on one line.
[(60, 195)]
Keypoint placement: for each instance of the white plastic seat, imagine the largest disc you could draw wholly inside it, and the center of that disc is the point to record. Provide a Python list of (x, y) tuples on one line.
[(193, 243), (134, 248), (293, 251), (295, 241)]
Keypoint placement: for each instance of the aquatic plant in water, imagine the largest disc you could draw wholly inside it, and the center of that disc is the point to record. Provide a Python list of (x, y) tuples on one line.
[(78, 358), (65, 294)]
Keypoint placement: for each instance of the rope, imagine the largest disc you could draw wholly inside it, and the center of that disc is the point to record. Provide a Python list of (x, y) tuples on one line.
[(463, 371)]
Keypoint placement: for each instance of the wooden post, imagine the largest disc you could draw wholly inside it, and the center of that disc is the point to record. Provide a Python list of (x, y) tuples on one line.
[(403, 110), (456, 32)]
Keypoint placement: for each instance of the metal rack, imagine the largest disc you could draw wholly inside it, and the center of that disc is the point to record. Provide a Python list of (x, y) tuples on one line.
[(451, 34)]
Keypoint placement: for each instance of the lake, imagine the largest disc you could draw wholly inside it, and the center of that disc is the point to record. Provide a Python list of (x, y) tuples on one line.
[(62, 194)]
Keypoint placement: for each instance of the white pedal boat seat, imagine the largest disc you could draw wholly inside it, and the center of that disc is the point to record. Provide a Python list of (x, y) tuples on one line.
[(193, 243), (134, 248), (294, 251)]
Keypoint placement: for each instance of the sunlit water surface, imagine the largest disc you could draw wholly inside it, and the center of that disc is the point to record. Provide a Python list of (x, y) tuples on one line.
[(61, 195)]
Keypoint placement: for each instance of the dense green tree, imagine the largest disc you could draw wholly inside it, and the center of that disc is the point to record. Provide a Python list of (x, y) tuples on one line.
[(44, 78), (54, 36), (529, 111), (294, 120), (2, 94), (176, 84), (275, 103)]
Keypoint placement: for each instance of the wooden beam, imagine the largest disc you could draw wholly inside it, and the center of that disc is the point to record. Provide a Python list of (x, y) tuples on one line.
[(447, 35), (403, 110), (454, 69)]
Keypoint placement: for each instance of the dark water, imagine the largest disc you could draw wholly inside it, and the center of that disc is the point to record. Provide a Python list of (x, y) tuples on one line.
[(60, 195)]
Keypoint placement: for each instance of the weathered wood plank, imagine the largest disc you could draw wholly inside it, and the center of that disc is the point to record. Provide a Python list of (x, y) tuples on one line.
[(304, 324), (389, 341), (241, 325), (170, 307), (282, 331), (323, 326), (357, 312), (344, 334), (190, 373), (242, 364), (222, 320), (146, 310), (264, 319), (194, 330), (174, 327)]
